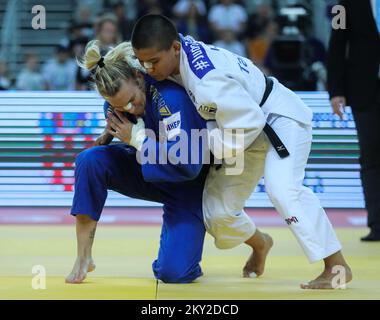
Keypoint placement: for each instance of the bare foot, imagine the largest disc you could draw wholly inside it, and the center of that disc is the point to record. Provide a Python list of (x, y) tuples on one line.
[(80, 270), (326, 279), (256, 262)]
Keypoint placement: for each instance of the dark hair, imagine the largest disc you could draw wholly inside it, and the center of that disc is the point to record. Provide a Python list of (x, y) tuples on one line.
[(154, 31), (62, 49)]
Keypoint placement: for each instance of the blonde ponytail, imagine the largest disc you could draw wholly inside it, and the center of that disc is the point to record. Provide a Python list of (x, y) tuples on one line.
[(107, 71), (91, 56)]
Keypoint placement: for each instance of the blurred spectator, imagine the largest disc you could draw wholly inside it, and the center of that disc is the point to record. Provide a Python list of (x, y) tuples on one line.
[(229, 42), (30, 78), (5, 82), (76, 32), (153, 7), (192, 21), (96, 5), (73, 38), (125, 26), (77, 47), (258, 45), (82, 76), (107, 30), (59, 72), (258, 21), (81, 30), (183, 7), (84, 21), (227, 15), (130, 6), (251, 6)]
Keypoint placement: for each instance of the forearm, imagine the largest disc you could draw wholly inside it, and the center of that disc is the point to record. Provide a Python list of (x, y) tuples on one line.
[(107, 138), (104, 139)]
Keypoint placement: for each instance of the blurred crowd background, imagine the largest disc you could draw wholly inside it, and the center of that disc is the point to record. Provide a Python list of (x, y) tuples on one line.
[(285, 38)]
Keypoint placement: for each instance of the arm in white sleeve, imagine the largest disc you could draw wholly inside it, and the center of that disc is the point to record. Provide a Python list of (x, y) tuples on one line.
[(239, 119)]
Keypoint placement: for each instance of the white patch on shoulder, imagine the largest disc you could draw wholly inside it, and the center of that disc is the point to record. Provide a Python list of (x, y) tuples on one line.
[(172, 125)]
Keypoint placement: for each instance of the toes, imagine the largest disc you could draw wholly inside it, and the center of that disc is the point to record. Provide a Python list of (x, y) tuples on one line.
[(305, 285), (245, 274), (250, 273), (316, 285), (309, 286), (70, 278), (76, 277), (81, 277)]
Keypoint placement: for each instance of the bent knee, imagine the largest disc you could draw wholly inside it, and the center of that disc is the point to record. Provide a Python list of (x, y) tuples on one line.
[(231, 230), (174, 274), (84, 218), (91, 156), (222, 218), (219, 223)]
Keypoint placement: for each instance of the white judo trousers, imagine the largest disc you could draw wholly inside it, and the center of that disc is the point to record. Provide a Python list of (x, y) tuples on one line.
[(225, 195), (283, 180), (226, 90)]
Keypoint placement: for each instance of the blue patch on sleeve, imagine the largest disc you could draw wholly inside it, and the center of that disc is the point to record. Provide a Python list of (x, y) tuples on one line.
[(199, 62)]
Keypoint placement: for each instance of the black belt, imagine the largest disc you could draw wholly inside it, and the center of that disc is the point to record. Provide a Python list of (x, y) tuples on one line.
[(271, 134)]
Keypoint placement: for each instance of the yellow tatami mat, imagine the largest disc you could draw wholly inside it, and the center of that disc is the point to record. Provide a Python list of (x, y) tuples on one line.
[(123, 257)]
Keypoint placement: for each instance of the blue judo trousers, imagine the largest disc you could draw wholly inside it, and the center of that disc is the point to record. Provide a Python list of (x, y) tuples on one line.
[(178, 187)]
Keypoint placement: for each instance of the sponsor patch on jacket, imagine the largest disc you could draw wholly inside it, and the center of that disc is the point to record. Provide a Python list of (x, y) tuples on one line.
[(159, 101), (172, 125), (199, 61), (211, 108), (164, 111)]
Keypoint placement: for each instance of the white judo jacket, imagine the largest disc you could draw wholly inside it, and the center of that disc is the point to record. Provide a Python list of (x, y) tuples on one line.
[(228, 88)]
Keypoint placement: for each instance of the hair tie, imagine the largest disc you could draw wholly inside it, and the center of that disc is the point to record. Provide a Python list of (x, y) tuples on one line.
[(101, 62)]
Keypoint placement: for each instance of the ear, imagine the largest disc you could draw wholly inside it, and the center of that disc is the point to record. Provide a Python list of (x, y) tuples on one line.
[(177, 47)]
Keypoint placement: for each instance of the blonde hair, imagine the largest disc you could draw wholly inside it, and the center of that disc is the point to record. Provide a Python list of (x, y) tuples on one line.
[(108, 71)]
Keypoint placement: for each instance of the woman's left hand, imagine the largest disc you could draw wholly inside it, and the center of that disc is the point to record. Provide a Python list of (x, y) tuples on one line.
[(120, 126)]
